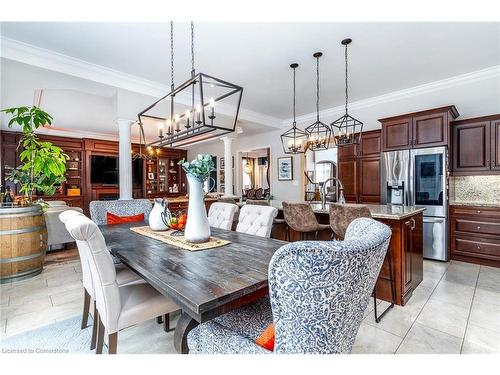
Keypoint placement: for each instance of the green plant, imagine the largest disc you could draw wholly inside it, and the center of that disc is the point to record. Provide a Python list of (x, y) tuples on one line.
[(199, 167), (43, 164)]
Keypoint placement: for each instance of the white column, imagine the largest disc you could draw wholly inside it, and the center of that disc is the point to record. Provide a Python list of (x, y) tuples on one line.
[(125, 158), (228, 162)]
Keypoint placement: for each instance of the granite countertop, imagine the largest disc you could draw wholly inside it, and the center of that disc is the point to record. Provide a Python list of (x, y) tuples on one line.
[(475, 204), (378, 211)]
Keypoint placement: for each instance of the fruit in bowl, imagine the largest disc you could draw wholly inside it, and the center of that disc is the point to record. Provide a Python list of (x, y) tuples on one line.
[(177, 221)]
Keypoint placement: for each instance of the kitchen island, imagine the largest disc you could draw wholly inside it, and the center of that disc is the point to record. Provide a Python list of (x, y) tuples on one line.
[(405, 249)]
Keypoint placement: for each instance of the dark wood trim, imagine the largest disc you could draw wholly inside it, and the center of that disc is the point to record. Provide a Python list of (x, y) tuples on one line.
[(450, 108)]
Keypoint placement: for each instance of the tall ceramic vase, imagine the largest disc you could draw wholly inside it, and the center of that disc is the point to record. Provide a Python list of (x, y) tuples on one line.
[(197, 227)]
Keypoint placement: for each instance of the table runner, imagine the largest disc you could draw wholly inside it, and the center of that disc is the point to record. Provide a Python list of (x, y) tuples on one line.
[(179, 241)]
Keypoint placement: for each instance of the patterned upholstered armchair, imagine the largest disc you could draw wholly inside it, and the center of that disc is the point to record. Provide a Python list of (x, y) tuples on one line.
[(318, 292), (130, 207)]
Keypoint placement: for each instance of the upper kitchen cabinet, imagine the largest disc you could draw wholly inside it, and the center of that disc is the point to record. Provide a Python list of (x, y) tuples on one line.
[(418, 130), (476, 146)]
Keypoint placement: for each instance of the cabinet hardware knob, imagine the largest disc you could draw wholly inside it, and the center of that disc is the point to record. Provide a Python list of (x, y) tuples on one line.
[(478, 211), (478, 227), (479, 247)]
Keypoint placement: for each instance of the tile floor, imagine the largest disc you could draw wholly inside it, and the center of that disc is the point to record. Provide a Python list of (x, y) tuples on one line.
[(456, 309)]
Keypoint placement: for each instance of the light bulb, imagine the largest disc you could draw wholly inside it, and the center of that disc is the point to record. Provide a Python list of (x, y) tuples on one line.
[(160, 125), (198, 108), (176, 118), (212, 102), (188, 114)]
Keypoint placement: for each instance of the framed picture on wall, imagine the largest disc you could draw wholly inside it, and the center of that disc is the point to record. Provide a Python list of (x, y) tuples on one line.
[(222, 164), (285, 168)]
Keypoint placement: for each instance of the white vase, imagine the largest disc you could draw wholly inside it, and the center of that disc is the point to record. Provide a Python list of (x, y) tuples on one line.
[(197, 227), (156, 221)]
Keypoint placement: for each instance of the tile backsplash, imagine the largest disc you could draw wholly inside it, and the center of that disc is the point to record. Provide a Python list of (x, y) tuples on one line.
[(475, 189)]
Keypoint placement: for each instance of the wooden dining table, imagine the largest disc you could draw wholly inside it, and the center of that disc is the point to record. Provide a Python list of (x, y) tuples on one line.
[(205, 283)]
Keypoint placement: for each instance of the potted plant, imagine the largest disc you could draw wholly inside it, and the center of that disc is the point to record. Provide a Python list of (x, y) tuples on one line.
[(43, 165), (197, 227)]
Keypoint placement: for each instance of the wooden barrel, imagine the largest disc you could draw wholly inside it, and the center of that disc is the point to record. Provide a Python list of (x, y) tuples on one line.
[(23, 242)]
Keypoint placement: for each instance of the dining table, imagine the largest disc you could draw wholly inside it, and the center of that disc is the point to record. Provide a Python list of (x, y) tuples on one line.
[(205, 283)]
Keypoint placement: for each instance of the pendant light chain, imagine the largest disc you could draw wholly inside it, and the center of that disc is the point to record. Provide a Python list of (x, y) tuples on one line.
[(172, 54), (192, 49), (294, 112), (346, 81), (317, 89)]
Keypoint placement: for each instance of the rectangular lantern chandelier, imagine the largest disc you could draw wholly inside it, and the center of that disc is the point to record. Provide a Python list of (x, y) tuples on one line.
[(201, 108)]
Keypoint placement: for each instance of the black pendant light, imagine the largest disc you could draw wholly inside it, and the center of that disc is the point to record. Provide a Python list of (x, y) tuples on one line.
[(294, 140), (319, 133), (347, 130), (201, 108), (142, 143)]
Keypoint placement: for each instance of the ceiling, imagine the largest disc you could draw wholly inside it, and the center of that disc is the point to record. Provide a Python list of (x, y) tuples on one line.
[(384, 57)]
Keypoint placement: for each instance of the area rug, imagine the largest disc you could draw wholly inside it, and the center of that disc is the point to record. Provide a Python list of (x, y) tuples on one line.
[(61, 337), (179, 241)]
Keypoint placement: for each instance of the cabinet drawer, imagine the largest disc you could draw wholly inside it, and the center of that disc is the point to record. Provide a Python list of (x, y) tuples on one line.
[(477, 212), (476, 248), (477, 226)]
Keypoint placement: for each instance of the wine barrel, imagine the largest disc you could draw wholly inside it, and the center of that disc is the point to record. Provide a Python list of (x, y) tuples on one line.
[(23, 242)]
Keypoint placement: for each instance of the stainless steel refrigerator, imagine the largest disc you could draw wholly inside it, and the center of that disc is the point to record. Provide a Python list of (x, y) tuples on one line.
[(419, 178)]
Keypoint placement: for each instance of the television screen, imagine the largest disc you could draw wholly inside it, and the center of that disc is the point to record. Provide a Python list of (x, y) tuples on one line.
[(104, 170), (137, 170)]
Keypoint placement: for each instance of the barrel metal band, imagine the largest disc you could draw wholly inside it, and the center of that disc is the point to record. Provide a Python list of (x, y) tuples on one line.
[(22, 258), (23, 230), (21, 275)]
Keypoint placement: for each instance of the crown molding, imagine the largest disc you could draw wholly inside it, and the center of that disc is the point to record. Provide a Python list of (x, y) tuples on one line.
[(43, 58), (467, 78)]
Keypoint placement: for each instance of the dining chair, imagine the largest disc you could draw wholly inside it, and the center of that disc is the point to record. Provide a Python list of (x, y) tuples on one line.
[(118, 306), (221, 215), (250, 194), (123, 276), (341, 215), (301, 218), (98, 209), (256, 220), (318, 293), (276, 221)]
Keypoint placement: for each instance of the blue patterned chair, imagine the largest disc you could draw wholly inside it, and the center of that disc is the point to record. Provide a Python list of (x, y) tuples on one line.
[(130, 207), (318, 292)]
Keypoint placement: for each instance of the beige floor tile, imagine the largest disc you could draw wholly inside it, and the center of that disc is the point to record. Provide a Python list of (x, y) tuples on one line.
[(461, 275), (35, 305), (425, 340), (434, 267), (28, 322), (397, 321), (430, 281), (63, 278), (67, 296), (371, 340), (486, 315), (4, 299), (455, 293), (445, 317), (44, 292), (67, 310), (481, 340), (489, 279), (487, 296), (146, 338), (3, 324)]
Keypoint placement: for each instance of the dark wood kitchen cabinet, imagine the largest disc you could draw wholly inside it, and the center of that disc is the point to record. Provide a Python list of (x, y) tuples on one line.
[(475, 146), (359, 169), (475, 234), (418, 130)]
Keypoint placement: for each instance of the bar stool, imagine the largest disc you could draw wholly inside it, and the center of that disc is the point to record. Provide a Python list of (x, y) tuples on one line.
[(276, 221), (341, 216), (300, 217)]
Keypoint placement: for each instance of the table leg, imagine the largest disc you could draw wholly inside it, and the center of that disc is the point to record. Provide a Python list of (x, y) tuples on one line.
[(184, 325)]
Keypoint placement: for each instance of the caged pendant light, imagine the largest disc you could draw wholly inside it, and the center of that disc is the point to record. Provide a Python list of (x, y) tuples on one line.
[(319, 133), (294, 140), (348, 128), (201, 108)]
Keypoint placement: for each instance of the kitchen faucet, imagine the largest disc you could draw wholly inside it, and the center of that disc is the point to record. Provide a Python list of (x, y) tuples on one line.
[(338, 188)]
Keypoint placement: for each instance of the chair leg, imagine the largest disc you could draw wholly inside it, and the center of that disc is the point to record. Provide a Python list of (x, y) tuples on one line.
[(95, 327), (100, 337), (287, 233), (86, 307), (112, 343), (166, 322), (316, 235), (159, 319)]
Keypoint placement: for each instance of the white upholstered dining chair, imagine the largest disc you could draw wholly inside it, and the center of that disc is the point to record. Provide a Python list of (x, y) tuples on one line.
[(221, 215), (123, 276), (256, 220), (118, 306)]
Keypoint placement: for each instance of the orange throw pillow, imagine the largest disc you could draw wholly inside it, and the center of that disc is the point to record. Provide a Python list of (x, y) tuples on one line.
[(112, 219), (266, 338)]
